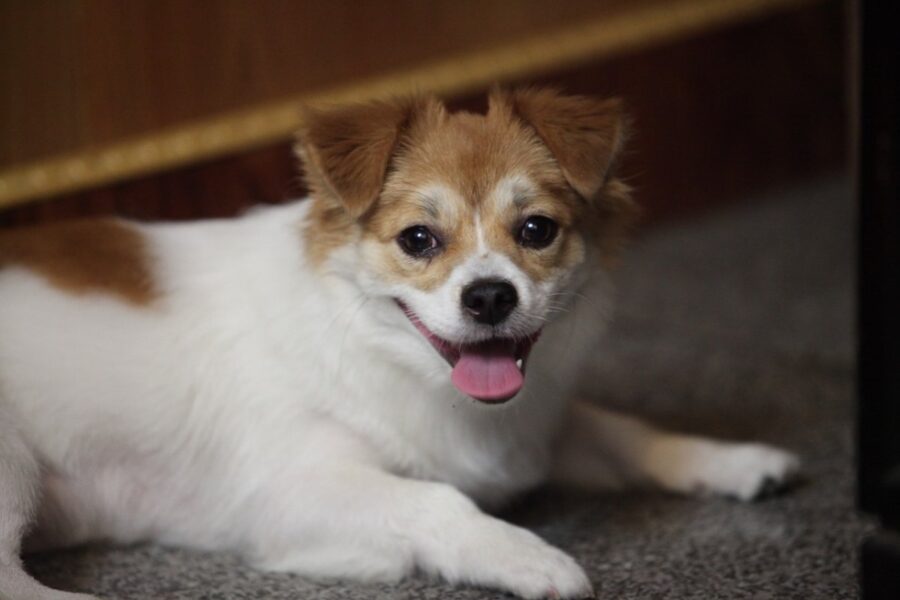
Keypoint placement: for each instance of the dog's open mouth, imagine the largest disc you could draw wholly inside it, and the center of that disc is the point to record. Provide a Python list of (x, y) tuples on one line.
[(491, 371)]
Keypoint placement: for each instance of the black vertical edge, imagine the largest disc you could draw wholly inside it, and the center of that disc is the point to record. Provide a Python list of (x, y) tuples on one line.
[(879, 576), (878, 368), (878, 432)]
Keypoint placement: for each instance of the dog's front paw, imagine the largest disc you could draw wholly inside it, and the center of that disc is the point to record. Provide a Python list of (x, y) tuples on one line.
[(514, 559), (746, 471)]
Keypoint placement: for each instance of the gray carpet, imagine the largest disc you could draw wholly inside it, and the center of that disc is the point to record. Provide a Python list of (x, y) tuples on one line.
[(738, 324)]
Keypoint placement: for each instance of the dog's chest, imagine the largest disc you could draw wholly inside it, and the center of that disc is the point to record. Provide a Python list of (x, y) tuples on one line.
[(432, 432), (419, 425)]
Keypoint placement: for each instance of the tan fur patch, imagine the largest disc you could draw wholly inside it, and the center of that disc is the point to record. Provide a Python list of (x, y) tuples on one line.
[(443, 171), (470, 155), (91, 255), (584, 134), (394, 215)]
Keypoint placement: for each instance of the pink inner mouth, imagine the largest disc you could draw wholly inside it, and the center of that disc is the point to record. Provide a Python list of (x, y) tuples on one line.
[(492, 371)]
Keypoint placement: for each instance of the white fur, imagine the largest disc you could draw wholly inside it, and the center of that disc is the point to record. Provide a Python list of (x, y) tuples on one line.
[(297, 417)]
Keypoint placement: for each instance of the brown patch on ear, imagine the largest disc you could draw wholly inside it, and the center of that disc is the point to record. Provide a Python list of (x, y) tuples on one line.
[(584, 134), (346, 151), (91, 255)]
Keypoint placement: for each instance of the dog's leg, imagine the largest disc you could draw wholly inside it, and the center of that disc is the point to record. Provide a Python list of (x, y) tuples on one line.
[(360, 523), (19, 481), (602, 450)]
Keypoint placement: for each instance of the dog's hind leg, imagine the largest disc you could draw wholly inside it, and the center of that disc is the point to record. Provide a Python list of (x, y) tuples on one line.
[(19, 494), (603, 450)]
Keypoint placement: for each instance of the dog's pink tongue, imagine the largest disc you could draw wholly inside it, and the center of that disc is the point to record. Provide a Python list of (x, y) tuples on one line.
[(488, 372)]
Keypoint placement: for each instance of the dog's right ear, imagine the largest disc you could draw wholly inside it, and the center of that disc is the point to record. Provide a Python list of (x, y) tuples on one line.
[(346, 151)]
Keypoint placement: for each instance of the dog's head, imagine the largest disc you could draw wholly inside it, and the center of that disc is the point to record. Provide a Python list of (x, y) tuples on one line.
[(476, 225)]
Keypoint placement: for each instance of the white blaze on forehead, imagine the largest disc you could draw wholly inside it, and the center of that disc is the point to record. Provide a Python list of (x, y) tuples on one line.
[(481, 248)]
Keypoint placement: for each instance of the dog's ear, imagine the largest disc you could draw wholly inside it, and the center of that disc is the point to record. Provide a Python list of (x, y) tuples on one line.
[(584, 134), (346, 151)]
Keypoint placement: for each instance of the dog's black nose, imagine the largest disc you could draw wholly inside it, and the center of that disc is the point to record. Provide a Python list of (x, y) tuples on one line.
[(489, 301)]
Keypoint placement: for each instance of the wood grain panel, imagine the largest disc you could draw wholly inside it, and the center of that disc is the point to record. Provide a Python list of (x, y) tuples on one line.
[(78, 73), (717, 116), (644, 24), (41, 105)]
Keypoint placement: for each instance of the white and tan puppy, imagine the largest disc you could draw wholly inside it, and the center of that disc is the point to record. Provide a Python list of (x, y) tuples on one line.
[(337, 387)]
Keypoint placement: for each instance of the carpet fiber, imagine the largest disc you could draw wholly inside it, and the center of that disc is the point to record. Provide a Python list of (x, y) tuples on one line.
[(739, 325)]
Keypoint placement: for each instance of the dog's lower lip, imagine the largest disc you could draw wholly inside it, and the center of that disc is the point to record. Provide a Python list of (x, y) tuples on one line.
[(516, 349), (450, 351)]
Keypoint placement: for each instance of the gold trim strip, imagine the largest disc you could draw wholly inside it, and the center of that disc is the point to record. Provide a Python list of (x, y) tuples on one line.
[(231, 132)]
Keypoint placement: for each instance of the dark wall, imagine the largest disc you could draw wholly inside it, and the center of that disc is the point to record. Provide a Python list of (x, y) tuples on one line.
[(716, 117)]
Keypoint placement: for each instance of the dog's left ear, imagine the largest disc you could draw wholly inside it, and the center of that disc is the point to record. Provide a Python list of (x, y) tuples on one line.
[(346, 151), (584, 134)]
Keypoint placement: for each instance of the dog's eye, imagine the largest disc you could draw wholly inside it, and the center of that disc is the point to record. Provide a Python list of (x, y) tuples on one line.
[(418, 241), (538, 232)]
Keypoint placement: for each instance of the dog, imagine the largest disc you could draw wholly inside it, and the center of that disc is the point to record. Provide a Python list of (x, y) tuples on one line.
[(342, 386)]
